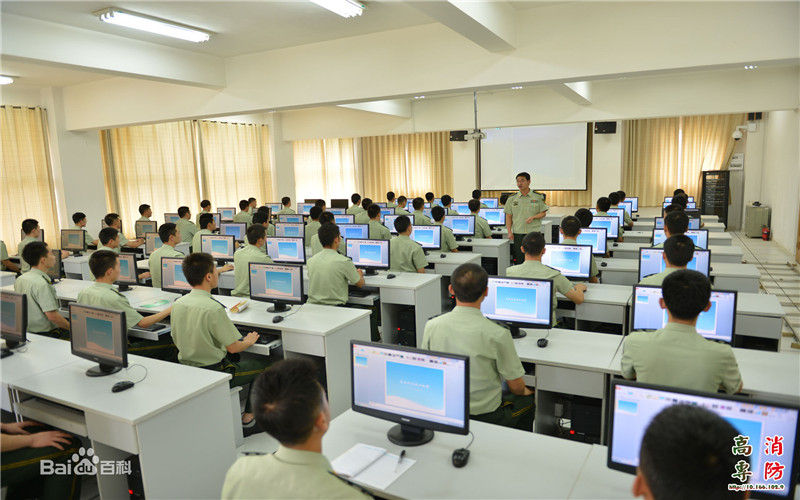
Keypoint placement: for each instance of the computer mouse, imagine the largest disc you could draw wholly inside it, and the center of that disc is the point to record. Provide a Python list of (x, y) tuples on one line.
[(616, 244), (604, 264), (122, 386), (542, 342), (469, 239), (442, 256), (460, 457), (277, 319), (391, 276)]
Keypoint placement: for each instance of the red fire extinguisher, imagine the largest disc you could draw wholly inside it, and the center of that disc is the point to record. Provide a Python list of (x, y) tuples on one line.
[(765, 233)]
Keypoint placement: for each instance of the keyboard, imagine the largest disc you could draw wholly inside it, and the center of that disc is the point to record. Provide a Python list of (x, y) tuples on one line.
[(154, 328), (264, 336), (357, 292)]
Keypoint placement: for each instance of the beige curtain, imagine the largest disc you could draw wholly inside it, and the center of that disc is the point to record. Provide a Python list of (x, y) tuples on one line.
[(26, 175), (383, 159), (235, 163), (326, 168), (707, 145)]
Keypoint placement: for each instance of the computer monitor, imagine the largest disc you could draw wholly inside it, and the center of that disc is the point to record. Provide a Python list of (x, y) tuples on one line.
[(348, 231), (698, 236), (152, 242), (280, 284), (430, 237), (387, 211), (172, 277), (41, 234), (611, 225), (718, 323), (296, 218), (226, 213), (594, 236), (236, 229), (54, 272), (461, 225), (344, 219), (426, 205), (494, 216), (634, 405), (99, 335), (381, 204), (461, 208), (370, 255), (428, 212), (172, 217), (337, 211), (146, 226), (273, 207), (694, 222), (635, 201), (304, 208), (422, 391), (690, 205), (128, 274), (73, 240), (693, 213), (437, 201), (219, 246), (651, 261), (388, 221), (13, 319), (627, 206), (668, 199), (286, 249), (491, 202), (574, 261), (217, 219), (619, 213), (290, 229), (340, 203), (519, 303)]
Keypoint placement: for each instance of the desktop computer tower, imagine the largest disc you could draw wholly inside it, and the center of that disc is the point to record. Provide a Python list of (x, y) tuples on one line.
[(406, 327), (586, 419), (135, 484)]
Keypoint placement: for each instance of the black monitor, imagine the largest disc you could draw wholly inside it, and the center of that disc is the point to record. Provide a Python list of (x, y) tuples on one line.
[(698, 236), (146, 226), (280, 284), (226, 213), (274, 208), (693, 213), (235, 229), (651, 261), (668, 199), (381, 204), (627, 206), (286, 249), (574, 261), (340, 203), (99, 335), (152, 242), (338, 211), (171, 217), (494, 216), (635, 202), (429, 237), (610, 223), (387, 211), (348, 231), (594, 236), (290, 229), (296, 218), (13, 319), (461, 208), (519, 303), (73, 240), (128, 274), (219, 246), (368, 254), (461, 225), (634, 405), (422, 391), (491, 202), (694, 223), (344, 219), (388, 221), (172, 277), (304, 208)]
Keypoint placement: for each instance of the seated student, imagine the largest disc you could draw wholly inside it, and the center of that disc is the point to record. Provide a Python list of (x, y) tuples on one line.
[(672, 208), (420, 219), (677, 355), (316, 246), (252, 205), (363, 217), (571, 228), (24, 445), (493, 357), (5, 262), (290, 405), (329, 273), (243, 215), (355, 208), (43, 316), (262, 217), (207, 226), (205, 208), (405, 254), (675, 223), (476, 195), (677, 192), (113, 220), (429, 197), (678, 252), (313, 225), (170, 235), (105, 268), (686, 453), (145, 211), (390, 200), (533, 249), (79, 219), (323, 206), (253, 251), (602, 207), (185, 225), (613, 197), (503, 199), (31, 229), (206, 337), (447, 201), (377, 231), (585, 216), (109, 239), (286, 203), (482, 228), (448, 241), (400, 209), (681, 200)]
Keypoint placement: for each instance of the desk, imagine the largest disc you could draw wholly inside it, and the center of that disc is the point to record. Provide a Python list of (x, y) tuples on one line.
[(739, 277), (719, 253), (714, 239), (493, 248), (41, 354), (604, 303), (7, 278), (759, 315), (596, 481), (648, 226), (445, 266), (547, 229), (77, 268)]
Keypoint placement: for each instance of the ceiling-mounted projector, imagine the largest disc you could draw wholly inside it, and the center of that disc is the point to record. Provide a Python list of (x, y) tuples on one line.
[(473, 136)]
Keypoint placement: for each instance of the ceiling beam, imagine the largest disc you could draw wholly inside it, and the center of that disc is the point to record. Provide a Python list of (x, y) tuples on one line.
[(395, 107), (492, 25), (578, 92)]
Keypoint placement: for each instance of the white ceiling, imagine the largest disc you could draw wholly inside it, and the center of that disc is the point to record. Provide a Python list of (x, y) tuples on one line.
[(36, 76)]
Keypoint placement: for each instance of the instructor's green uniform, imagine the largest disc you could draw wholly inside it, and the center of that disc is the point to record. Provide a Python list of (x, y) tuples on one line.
[(521, 207)]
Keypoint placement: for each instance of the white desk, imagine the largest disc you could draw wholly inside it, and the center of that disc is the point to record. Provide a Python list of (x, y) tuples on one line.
[(494, 248), (40, 354), (597, 482), (759, 315), (739, 277), (7, 278), (445, 266), (719, 254), (77, 268), (714, 239), (604, 303), (546, 230)]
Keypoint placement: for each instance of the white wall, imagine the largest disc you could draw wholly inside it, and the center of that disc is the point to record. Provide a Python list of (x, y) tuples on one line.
[(607, 163)]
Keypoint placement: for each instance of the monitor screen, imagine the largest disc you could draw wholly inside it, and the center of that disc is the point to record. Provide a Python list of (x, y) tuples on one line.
[(611, 225), (698, 236), (659, 223), (304, 208), (421, 390), (430, 237), (634, 405), (152, 242), (99, 335), (461, 208), (634, 201), (235, 229), (619, 213), (520, 301), (128, 274), (283, 249), (694, 223), (428, 213), (344, 219), (381, 204), (627, 206), (594, 236), (490, 202), (337, 211), (172, 277), (73, 240), (427, 205), (273, 207), (55, 271), (173, 218), (437, 201), (651, 261), (574, 261), (494, 216), (370, 254), (146, 226), (386, 211), (290, 229), (218, 246), (281, 284), (227, 213), (348, 231), (217, 219), (691, 204), (13, 317), (718, 323), (296, 218), (388, 221), (461, 225), (340, 203), (668, 199)]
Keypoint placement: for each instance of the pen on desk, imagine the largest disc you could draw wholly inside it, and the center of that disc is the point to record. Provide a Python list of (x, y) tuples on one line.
[(400, 459)]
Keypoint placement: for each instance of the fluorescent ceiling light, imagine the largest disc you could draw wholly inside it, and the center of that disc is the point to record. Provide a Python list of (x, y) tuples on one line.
[(345, 8), (151, 25), (5, 80)]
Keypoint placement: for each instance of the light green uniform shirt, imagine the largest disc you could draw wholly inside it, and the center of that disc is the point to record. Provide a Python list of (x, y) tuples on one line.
[(354, 210), (286, 210), (593, 271), (289, 475), (109, 249), (3, 255), (420, 219), (241, 269), (187, 229), (450, 211), (378, 231), (535, 269), (678, 356), (24, 266), (122, 240), (197, 219), (484, 205), (401, 211), (316, 246), (243, 217), (155, 262), (625, 216), (492, 355), (104, 295), (197, 239), (482, 228), (406, 254), (312, 226), (658, 279), (391, 204), (328, 276), (270, 229), (361, 218), (448, 238), (523, 206), (41, 299), (86, 236), (143, 219), (201, 329)]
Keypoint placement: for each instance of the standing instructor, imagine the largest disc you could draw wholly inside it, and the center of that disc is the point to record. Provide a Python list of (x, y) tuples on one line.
[(524, 213)]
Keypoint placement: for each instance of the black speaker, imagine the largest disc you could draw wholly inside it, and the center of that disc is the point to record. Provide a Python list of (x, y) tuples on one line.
[(458, 135), (605, 127), (751, 117)]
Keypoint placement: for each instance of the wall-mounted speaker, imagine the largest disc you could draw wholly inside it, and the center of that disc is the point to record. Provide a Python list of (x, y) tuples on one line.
[(605, 127), (754, 116)]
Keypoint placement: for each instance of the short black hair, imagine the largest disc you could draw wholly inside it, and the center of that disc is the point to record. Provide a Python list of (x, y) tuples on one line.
[(503, 198), (533, 243), (355, 198), (613, 197), (437, 213), (401, 224), (418, 203), (182, 211), (677, 222), (328, 232), (474, 205), (373, 211), (205, 220), (469, 282), (401, 199), (320, 203), (205, 203), (571, 226), (143, 208), (585, 216), (603, 204), (365, 203), (255, 232), (682, 200), (166, 230), (678, 191), (78, 216), (476, 194), (263, 208), (34, 252), (251, 200), (261, 217), (315, 212), (446, 200), (524, 174), (429, 196), (243, 204), (326, 217), (107, 234), (100, 262), (679, 250), (287, 400), (390, 195), (622, 195), (196, 266), (110, 218), (28, 225), (674, 207), (285, 200)]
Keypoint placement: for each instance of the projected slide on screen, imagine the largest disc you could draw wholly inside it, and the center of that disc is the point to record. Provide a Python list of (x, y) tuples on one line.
[(414, 387), (278, 283), (286, 249), (369, 254), (180, 278), (461, 225), (494, 216), (519, 300), (219, 248), (514, 302), (566, 261), (100, 335), (8, 315)]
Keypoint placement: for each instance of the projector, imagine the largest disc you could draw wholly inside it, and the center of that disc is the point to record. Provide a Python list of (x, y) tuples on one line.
[(474, 136)]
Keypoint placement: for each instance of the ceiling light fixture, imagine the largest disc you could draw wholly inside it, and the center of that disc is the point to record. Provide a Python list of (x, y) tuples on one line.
[(6, 80), (345, 8), (419, 97), (152, 25), (515, 88), (751, 66)]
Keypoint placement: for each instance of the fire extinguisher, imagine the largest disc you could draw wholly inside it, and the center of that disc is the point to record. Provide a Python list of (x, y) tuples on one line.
[(765, 233)]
